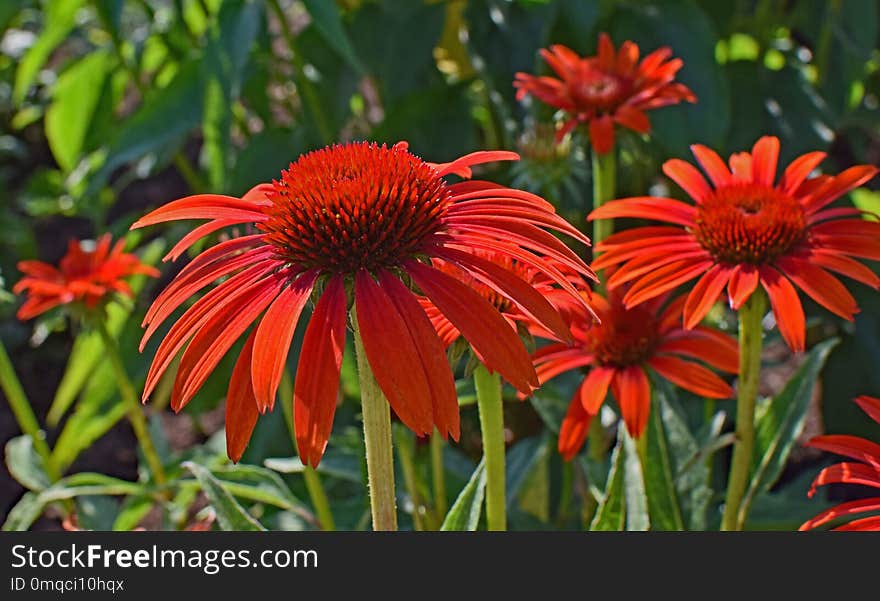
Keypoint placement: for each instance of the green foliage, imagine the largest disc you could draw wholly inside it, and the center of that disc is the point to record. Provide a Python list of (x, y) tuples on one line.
[(465, 512)]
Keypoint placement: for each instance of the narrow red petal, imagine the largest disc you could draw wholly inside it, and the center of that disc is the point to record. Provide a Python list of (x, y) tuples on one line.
[(799, 169), (787, 308), (704, 294), (688, 178), (870, 405), (743, 282), (821, 286), (712, 165), (765, 155), (647, 207), (575, 427), (602, 134), (844, 509), (691, 376), (317, 374), (595, 387), (634, 398), (241, 405), (713, 347)]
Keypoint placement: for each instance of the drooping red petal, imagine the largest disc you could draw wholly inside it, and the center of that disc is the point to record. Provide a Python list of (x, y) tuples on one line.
[(787, 308), (821, 286), (839, 185), (633, 393), (704, 294), (241, 405), (848, 446), (688, 178), (691, 376), (602, 134), (461, 166), (204, 206), (870, 405), (632, 118), (317, 374), (575, 427), (847, 472), (707, 344), (273, 337), (393, 355), (743, 282), (869, 524), (594, 388), (844, 509), (479, 323), (431, 352)]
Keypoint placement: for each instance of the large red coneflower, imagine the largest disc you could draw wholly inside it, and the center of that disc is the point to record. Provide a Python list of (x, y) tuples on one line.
[(613, 87), (85, 276), (617, 352), (865, 471), (745, 231), (354, 224)]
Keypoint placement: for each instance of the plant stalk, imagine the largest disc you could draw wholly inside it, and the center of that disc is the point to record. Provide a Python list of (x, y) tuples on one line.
[(129, 397), (750, 316), (438, 476), (492, 428), (377, 438), (604, 189)]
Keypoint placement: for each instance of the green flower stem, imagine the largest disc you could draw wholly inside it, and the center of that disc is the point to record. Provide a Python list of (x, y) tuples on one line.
[(24, 413), (750, 315), (317, 494), (438, 476), (492, 427), (377, 438), (565, 494), (604, 189), (403, 439), (596, 449), (129, 397)]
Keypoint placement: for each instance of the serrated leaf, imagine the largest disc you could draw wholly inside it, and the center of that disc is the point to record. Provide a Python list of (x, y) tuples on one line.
[(59, 18), (75, 98), (659, 481), (611, 513), (465, 512), (781, 421), (25, 465), (230, 515)]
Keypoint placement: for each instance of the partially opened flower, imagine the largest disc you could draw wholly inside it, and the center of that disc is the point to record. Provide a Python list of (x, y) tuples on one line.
[(616, 354), (745, 231), (86, 276), (864, 471), (613, 87), (354, 224)]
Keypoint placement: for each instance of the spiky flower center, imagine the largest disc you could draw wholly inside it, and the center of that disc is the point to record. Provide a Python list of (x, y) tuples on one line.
[(625, 337), (599, 90), (749, 223), (354, 206)]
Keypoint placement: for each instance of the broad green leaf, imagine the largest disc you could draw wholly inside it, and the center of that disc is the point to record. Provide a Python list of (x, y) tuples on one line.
[(24, 464), (24, 513), (75, 98), (780, 421), (611, 513), (87, 352), (659, 481), (338, 465), (465, 512), (133, 510), (230, 515), (522, 459), (264, 482), (328, 21), (867, 200), (637, 518), (59, 17), (94, 512)]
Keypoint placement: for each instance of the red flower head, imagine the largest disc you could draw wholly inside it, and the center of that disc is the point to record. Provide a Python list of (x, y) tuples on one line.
[(746, 230), (354, 220), (549, 302), (865, 472), (87, 277), (618, 350), (612, 87)]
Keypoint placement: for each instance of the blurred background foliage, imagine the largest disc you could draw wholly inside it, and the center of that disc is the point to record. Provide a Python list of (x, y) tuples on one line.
[(110, 107)]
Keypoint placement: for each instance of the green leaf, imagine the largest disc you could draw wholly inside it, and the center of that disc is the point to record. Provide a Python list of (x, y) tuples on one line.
[(780, 421), (611, 513), (867, 200), (87, 353), (24, 464), (24, 513), (338, 465), (263, 485), (659, 481), (465, 512), (328, 21), (60, 18), (230, 514), (133, 510), (522, 459), (75, 97), (637, 518), (96, 512)]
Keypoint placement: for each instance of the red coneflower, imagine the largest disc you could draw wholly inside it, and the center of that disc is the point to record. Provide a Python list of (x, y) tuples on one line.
[(611, 87), (865, 472), (617, 352), (85, 276), (354, 224), (745, 231)]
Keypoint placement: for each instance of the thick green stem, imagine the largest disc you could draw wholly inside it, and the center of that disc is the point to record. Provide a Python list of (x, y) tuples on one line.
[(377, 438), (133, 406), (403, 439), (604, 185), (314, 487), (438, 476), (24, 413), (750, 315), (492, 428)]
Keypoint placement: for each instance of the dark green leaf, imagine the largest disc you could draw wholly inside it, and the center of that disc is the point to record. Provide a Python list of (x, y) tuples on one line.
[(230, 515), (611, 513), (328, 21), (465, 512), (24, 464), (659, 481)]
